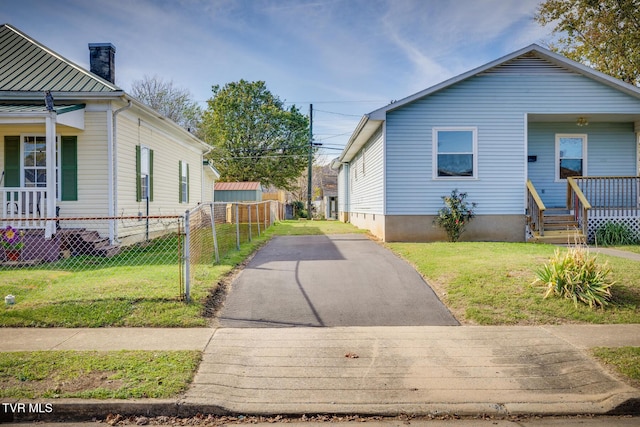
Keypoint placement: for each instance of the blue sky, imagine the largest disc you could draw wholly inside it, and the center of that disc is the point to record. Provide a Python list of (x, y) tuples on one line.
[(347, 57)]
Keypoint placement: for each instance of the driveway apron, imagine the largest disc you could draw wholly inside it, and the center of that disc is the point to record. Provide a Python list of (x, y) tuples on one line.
[(330, 280)]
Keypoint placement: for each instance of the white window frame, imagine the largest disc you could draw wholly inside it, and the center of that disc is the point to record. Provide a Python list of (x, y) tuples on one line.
[(557, 157), (184, 181), (145, 162), (23, 137), (474, 153)]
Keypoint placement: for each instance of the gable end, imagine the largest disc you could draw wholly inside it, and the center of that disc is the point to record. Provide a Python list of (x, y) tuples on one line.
[(529, 63)]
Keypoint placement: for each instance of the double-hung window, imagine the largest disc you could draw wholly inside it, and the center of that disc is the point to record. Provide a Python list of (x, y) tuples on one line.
[(25, 164), (34, 157), (571, 152), (183, 176), (455, 152), (144, 173)]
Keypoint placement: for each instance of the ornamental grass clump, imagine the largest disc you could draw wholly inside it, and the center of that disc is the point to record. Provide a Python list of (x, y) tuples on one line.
[(615, 234), (576, 275), (455, 215)]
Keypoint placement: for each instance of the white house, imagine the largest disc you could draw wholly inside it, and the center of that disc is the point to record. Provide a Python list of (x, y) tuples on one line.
[(75, 145)]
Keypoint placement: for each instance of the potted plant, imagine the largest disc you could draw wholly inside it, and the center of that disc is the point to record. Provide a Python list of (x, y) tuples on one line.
[(11, 242)]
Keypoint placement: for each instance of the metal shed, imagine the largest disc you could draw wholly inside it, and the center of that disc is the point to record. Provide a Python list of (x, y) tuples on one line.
[(238, 192)]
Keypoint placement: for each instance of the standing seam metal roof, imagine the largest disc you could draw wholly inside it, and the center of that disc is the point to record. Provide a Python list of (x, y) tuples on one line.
[(26, 65)]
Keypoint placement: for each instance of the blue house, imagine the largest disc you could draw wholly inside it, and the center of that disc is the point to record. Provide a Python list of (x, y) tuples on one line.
[(546, 147)]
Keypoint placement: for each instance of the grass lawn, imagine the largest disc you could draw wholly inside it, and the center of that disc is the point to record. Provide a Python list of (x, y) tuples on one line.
[(96, 375), (491, 284), (624, 360), (302, 227), (131, 294)]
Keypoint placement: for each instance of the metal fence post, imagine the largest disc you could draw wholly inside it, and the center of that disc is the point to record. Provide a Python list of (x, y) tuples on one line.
[(237, 227), (258, 217), (186, 258), (249, 211), (213, 231)]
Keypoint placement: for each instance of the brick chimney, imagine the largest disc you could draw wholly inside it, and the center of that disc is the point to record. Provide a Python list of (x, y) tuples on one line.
[(102, 60)]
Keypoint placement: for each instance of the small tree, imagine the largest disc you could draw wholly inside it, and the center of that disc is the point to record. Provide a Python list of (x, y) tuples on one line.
[(455, 215), (169, 100)]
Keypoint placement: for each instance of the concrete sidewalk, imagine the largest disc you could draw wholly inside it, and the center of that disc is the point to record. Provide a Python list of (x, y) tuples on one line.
[(466, 370)]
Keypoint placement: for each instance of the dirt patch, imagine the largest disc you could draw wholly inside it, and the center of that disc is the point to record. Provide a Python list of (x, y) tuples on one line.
[(88, 381)]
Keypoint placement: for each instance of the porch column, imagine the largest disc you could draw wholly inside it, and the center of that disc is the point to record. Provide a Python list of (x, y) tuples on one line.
[(50, 226)]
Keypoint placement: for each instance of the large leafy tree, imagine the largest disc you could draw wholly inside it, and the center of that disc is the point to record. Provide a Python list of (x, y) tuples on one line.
[(169, 100), (254, 137), (604, 34)]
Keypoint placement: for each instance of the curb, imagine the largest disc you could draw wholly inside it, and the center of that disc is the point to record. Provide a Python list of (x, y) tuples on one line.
[(82, 410)]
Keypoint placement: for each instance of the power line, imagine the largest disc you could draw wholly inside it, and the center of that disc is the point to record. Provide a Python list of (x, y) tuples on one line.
[(339, 114)]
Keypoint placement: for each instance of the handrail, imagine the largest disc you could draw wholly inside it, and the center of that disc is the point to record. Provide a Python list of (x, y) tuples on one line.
[(573, 185), (535, 195), (577, 202), (535, 208)]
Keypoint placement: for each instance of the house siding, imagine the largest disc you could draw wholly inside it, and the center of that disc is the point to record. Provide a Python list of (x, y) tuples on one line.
[(496, 103), (611, 151), (93, 187), (133, 131), (366, 176)]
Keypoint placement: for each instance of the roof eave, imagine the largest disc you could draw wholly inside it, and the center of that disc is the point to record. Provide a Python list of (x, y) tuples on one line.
[(366, 127), (194, 140), (75, 96)]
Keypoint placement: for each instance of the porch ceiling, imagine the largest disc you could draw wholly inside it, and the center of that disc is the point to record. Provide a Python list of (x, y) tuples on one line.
[(591, 117), (69, 115)]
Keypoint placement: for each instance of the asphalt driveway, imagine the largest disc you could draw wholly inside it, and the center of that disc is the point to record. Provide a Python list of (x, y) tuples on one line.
[(330, 280)]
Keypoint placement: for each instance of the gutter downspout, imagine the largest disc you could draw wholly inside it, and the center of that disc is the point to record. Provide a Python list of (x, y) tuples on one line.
[(112, 153), (203, 181)]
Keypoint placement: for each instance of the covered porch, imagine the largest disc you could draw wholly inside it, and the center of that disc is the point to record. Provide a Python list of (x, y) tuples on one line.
[(582, 171), (591, 202), (30, 183)]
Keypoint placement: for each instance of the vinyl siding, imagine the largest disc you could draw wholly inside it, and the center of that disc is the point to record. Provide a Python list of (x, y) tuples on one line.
[(366, 176), (495, 103), (611, 151), (93, 186), (166, 156), (343, 184)]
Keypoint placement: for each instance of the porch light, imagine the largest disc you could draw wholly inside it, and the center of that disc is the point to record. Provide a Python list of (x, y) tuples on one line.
[(582, 121)]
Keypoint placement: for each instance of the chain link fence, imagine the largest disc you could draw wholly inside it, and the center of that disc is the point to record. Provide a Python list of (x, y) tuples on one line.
[(175, 248), (215, 229)]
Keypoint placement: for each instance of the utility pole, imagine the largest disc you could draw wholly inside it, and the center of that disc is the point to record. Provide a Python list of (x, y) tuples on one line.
[(310, 171)]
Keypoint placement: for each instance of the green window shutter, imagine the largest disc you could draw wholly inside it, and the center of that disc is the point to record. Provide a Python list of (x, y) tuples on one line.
[(69, 167), (179, 181), (150, 175), (188, 187), (12, 161), (138, 178)]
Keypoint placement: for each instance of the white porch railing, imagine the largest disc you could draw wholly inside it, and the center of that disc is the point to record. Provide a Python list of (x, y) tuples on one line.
[(23, 207)]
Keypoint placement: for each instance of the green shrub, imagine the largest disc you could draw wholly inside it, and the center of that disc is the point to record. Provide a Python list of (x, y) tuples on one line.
[(615, 234), (455, 215), (576, 275)]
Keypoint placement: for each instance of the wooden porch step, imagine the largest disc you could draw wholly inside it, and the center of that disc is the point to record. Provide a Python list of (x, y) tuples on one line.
[(107, 251), (89, 242), (559, 237)]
